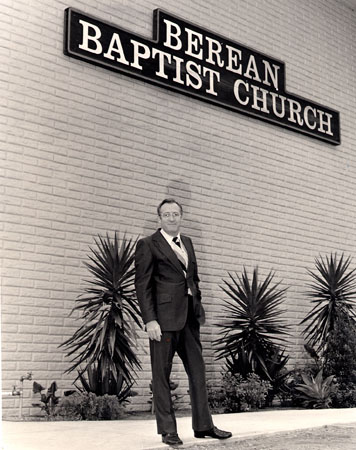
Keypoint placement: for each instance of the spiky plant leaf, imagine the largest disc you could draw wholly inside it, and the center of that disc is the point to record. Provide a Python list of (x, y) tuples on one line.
[(253, 325), (333, 292), (103, 346), (316, 392)]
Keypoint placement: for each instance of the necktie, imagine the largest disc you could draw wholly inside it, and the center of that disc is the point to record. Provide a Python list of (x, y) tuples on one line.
[(176, 241), (179, 255)]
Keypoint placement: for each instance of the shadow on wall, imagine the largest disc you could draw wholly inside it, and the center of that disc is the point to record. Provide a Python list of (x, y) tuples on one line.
[(179, 190)]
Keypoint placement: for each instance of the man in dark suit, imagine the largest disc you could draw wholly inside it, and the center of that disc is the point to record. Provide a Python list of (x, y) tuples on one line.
[(167, 288)]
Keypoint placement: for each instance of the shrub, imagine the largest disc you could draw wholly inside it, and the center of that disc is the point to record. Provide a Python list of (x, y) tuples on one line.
[(340, 359), (344, 396), (216, 398), (90, 407), (239, 394)]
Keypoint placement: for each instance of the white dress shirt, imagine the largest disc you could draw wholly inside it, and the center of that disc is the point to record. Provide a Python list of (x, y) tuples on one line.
[(181, 250)]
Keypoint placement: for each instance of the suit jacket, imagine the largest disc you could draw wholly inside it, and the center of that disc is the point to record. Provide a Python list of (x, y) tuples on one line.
[(162, 286)]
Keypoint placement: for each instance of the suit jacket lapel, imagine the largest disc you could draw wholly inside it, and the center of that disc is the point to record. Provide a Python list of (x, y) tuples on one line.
[(166, 249)]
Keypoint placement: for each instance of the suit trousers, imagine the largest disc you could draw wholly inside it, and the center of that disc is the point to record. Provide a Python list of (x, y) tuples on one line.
[(186, 343)]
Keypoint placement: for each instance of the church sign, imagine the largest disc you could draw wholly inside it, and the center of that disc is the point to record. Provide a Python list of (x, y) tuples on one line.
[(194, 61)]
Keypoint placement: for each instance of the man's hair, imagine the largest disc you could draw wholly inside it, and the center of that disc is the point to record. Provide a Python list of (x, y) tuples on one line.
[(169, 201)]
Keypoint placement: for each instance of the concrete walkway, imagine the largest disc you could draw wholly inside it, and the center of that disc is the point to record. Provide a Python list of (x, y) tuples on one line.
[(141, 434)]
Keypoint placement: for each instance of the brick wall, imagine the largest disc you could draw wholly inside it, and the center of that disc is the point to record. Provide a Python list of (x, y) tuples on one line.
[(86, 151)]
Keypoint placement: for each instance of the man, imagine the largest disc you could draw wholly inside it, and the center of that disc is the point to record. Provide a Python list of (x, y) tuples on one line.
[(167, 288)]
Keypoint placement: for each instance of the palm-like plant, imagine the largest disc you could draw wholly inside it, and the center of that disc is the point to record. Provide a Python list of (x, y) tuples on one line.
[(333, 293), (253, 328), (103, 346)]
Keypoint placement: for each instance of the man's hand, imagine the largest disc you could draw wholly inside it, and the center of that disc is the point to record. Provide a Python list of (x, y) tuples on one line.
[(154, 330)]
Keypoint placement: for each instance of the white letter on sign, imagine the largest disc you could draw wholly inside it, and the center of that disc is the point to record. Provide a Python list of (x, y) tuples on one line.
[(116, 46), (237, 92), (138, 55), (195, 41), (170, 34), (86, 38)]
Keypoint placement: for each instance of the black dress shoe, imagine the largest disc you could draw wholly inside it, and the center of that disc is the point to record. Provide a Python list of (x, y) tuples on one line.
[(171, 439), (214, 433)]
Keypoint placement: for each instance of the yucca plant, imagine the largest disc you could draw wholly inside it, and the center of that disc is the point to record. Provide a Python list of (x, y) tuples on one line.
[(333, 293), (253, 328), (102, 349), (92, 382), (316, 392)]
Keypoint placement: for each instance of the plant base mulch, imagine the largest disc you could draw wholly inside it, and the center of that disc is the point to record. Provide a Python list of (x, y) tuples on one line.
[(336, 437)]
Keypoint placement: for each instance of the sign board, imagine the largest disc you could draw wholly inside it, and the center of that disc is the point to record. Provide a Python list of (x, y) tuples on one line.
[(197, 62)]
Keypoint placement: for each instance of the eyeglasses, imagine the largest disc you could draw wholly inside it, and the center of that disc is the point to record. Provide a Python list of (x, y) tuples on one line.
[(175, 215)]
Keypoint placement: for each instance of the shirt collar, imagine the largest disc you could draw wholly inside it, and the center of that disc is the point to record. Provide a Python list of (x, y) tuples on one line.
[(168, 237)]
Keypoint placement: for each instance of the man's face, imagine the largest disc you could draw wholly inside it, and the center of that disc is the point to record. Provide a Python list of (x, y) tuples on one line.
[(170, 218)]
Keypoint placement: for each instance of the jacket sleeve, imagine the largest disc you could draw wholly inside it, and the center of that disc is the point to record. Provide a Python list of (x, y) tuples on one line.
[(144, 265)]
